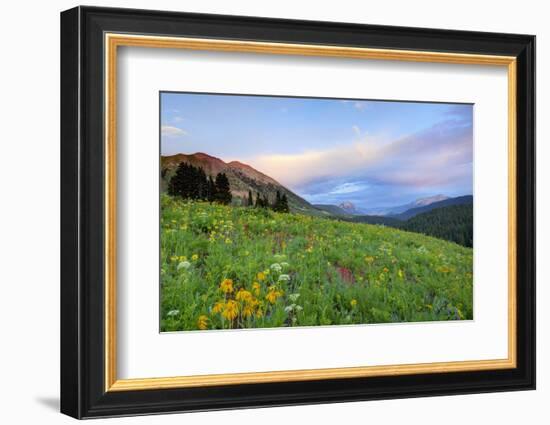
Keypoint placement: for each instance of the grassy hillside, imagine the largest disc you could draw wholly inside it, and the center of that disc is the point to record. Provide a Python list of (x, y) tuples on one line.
[(234, 267), (376, 219)]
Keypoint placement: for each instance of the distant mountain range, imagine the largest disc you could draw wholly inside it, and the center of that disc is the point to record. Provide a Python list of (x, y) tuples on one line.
[(242, 178), (401, 212)]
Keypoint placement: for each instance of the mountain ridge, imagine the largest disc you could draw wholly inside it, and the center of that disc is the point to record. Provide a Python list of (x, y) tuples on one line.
[(242, 179), (458, 200)]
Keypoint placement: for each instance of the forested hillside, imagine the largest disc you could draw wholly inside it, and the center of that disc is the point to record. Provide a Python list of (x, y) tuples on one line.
[(453, 223)]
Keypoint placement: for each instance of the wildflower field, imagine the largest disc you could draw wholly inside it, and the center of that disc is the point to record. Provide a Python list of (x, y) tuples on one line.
[(227, 267)]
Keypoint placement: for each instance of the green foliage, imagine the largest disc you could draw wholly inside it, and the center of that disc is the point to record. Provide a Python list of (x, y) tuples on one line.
[(232, 267), (453, 223)]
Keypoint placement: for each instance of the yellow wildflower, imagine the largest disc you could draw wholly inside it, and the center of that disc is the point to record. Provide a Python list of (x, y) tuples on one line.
[(400, 273), (228, 241), (385, 270), (273, 295), (231, 310), (369, 260), (218, 307), (353, 303), (243, 295), (261, 276), (226, 286), (248, 310), (202, 322), (194, 257), (256, 288)]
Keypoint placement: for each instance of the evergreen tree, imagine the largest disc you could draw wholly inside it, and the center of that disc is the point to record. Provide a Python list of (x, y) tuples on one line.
[(223, 191), (258, 200), (190, 182), (277, 204), (202, 184), (179, 183), (250, 201), (284, 204), (211, 190)]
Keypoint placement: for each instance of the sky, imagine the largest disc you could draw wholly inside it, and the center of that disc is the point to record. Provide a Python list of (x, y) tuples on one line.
[(373, 153)]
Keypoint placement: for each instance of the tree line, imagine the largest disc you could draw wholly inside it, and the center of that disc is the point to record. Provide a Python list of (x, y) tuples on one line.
[(190, 182), (452, 223), (280, 204)]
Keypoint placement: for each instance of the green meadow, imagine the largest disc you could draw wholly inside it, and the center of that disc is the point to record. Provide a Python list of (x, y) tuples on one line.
[(227, 267)]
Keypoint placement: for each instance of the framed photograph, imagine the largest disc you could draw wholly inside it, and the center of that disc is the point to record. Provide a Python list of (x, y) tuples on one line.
[(261, 212)]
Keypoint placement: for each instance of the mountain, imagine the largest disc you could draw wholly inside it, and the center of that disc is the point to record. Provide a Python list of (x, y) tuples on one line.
[(332, 210), (429, 200), (415, 204), (242, 178), (349, 207), (454, 223), (460, 200)]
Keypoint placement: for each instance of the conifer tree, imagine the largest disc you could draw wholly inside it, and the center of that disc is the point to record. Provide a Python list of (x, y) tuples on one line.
[(277, 204), (284, 204), (179, 183), (223, 191), (211, 190), (258, 203)]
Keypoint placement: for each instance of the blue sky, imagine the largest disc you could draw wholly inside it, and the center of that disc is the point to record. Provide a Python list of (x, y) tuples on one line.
[(375, 154)]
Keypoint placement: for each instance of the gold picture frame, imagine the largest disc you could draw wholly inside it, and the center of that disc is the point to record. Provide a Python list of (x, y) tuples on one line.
[(114, 41)]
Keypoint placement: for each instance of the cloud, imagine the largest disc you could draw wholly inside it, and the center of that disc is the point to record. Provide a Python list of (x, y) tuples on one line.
[(346, 188), (170, 131), (437, 156)]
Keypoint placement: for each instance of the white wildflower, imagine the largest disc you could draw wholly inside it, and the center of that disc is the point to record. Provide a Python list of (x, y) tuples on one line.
[(284, 278), (184, 265), (173, 313), (276, 267), (294, 297)]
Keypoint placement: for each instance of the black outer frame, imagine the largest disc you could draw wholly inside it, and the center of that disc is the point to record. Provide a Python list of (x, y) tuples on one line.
[(82, 212)]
